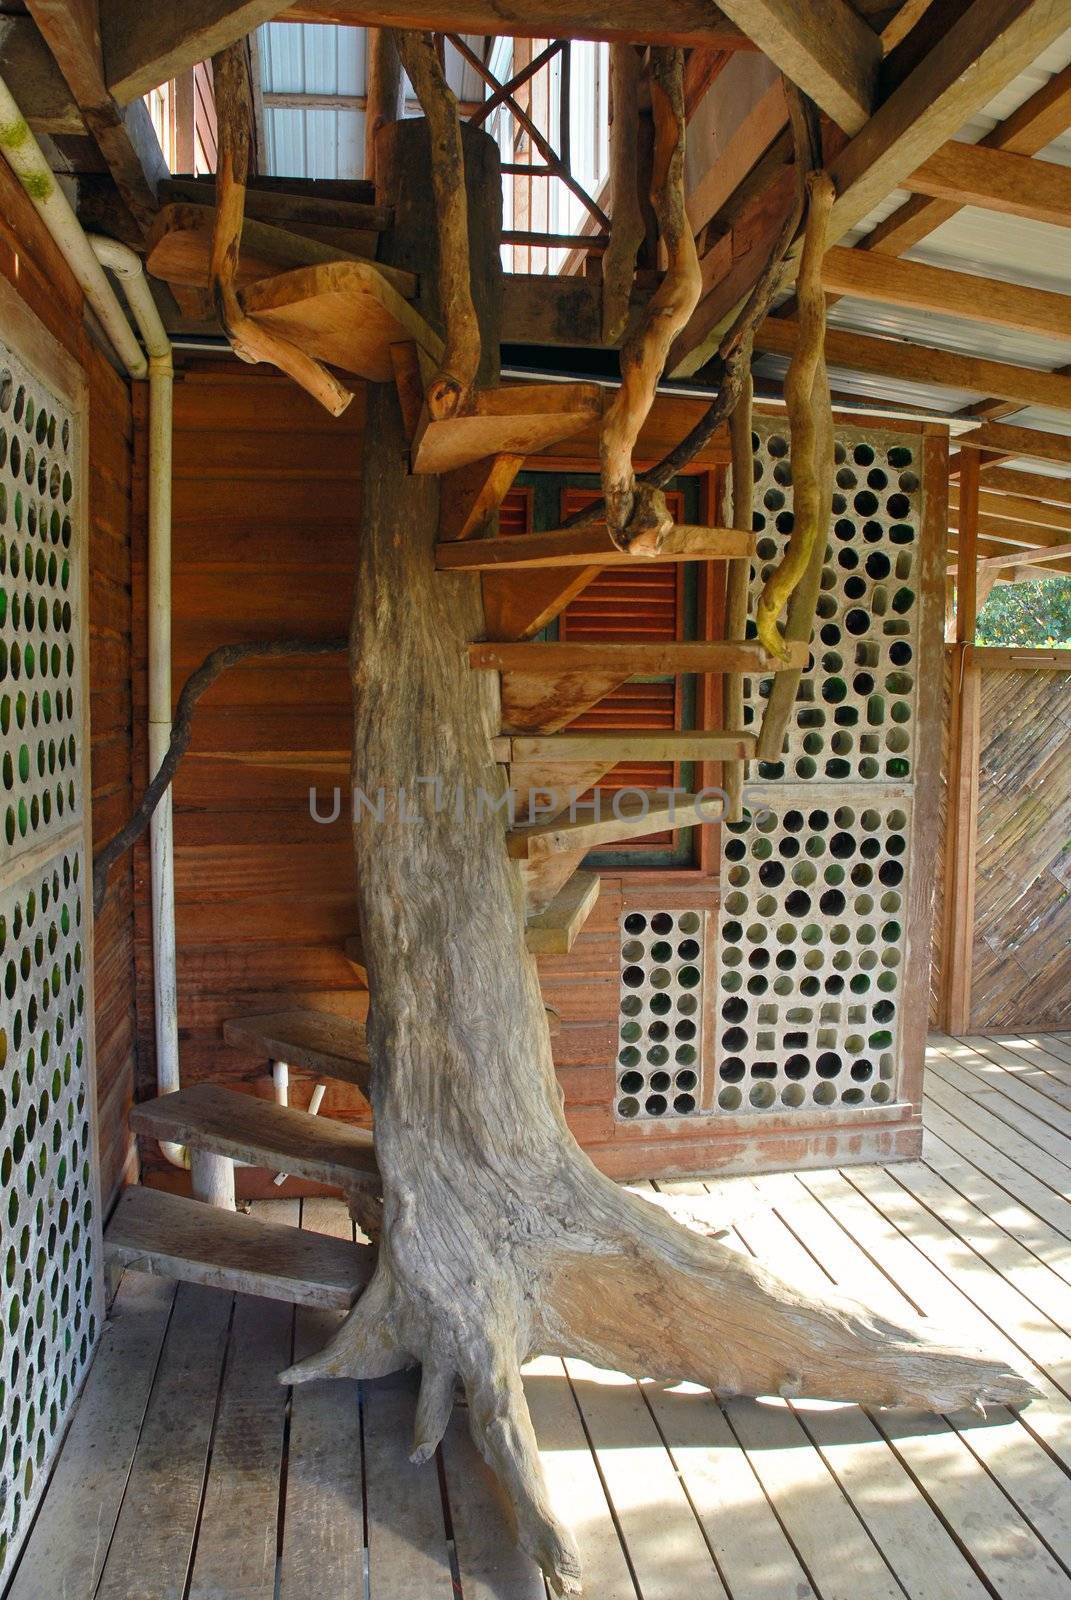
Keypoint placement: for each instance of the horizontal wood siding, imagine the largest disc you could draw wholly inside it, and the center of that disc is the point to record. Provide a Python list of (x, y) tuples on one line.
[(266, 510)]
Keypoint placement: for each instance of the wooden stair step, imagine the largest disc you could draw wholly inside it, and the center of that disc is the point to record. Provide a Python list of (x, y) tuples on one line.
[(588, 546), (260, 1133), (554, 930), (289, 208), (318, 1041), (674, 744), (345, 313), (634, 660), (179, 250), (172, 1237), (519, 419), (640, 813), (354, 952)]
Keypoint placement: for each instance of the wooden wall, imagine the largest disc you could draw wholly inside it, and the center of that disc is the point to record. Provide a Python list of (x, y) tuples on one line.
[(266, 513), (1022, 930), (31, 262), (266, 507)]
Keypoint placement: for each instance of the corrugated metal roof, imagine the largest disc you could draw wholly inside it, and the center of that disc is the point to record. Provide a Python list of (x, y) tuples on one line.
[(311, 58)]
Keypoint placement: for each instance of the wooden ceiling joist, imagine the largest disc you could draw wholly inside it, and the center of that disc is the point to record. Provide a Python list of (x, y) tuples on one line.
[(1033, 556), (988, 45), (824, 46), (1007, 440), (1017, 508), (996, 180), (29, 69), (126, 138), (1040, 485), (145, 44), (916, 363), (1040, 120), (956, 294)]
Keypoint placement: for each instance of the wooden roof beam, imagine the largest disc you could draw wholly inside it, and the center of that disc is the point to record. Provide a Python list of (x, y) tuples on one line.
[(126, 138), (916, 363), (1040, 120), (1033, 556), (988, 45), (29, 69), (957, 294), (1039, 485), (996, 180), (1007, 440), (145, 44), (824, 46)]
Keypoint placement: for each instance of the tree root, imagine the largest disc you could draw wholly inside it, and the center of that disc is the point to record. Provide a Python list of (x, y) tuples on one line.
[(580, 1267)]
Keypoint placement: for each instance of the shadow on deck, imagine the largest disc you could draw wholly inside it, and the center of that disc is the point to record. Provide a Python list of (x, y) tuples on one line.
[(188, 1472)]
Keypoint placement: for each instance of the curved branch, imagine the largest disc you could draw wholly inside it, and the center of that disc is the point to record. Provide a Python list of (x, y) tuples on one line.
[(249, 340), (636, 515), (733, 353), (217, 662), (451, 388), (627, 228), (807, 398)]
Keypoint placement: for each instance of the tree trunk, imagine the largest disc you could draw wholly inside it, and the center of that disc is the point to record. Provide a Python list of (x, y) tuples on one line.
[(500, 1238)]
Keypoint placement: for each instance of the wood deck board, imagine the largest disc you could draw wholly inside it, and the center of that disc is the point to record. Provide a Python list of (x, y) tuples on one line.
[(669, 1493), (323, 1551)]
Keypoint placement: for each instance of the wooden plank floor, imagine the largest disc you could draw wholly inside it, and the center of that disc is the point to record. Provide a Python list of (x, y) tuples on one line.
[(189, 1474)]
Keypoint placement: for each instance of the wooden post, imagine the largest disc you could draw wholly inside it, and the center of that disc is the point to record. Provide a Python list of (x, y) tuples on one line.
[(964, 749), (383, 86)]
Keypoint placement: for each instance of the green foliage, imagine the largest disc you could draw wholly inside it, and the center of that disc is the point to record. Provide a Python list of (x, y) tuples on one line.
[(1032, 614)]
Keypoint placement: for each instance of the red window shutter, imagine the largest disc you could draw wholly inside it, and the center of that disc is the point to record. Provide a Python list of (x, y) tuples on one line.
[(621, 606), (515, 512)]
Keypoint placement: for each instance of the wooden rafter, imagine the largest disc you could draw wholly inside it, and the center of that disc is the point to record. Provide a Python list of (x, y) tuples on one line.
[(916, 363), (823, 46), (996, 180), (988, 44), (958, 294), (1039, 121), (30, 71), (691, 22), (1033, 555), (145, 44), (1003, 438), (126, 139)]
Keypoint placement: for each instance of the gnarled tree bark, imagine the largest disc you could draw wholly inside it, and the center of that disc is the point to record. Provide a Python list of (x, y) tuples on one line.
[(500, 1238), (636, 513)]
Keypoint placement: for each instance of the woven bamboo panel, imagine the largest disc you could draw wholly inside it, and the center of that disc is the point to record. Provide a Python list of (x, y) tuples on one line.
[(1022, 945)]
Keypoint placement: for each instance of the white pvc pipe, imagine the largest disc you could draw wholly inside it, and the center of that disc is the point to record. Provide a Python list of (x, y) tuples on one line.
[(128, 268), (25, 157)]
